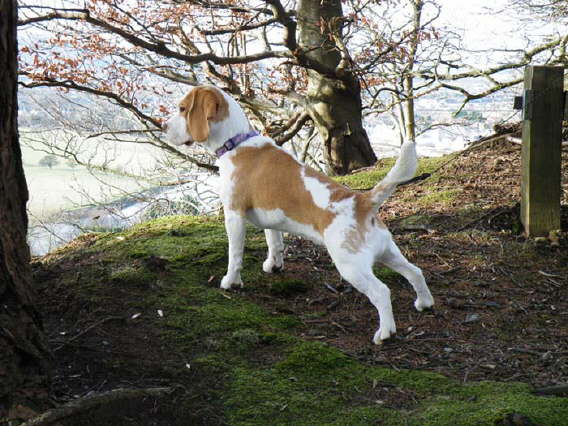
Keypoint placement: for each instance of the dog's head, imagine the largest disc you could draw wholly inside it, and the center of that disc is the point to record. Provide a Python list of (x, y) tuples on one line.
[(198, 110)]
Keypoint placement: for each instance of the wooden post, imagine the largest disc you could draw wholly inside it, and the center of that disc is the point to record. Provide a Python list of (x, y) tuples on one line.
[(541, 153)]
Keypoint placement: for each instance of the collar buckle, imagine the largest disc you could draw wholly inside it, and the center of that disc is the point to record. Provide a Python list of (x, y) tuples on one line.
[(235, 141)]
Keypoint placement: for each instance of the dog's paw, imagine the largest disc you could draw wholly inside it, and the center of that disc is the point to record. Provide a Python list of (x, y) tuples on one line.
[(424, 303), (229, 282), (383, 333), (270, 266)]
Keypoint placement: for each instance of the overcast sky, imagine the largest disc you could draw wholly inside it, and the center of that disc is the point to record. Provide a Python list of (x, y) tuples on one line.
[(476, 18), (484, 27), (478, 22)]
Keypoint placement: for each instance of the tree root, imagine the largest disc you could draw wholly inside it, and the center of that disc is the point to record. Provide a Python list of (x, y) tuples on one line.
[(553, 390), (93, 402)]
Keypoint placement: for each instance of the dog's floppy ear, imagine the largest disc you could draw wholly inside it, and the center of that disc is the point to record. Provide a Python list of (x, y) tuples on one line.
[(204, 105)]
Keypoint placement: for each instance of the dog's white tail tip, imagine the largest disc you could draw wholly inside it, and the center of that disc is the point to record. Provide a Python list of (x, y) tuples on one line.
[(403, 170)]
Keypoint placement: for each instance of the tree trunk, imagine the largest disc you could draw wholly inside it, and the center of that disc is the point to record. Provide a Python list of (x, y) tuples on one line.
[(334, 98), (23, 350), (408, 80)]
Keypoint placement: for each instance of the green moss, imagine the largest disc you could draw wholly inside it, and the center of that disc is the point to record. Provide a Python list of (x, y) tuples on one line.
[(371, 415), (246, 337), (198, 239), (385, 274), (199, 319), (212, 364), (314, 384), (315, 360), (202, 315), (131, 276), (422, 382), (369, 178), (444, 197), (415, 219), (267, 398), (317, 384), (277, 338), (492, 406)]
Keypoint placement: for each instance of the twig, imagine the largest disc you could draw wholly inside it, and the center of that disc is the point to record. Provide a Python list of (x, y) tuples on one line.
[(553, 390), (491, 214), (331, 288), (340, 327), (418, 178), (413, 228), (85, 331), (314, 301), (333, 305), (315, 321), (89, 403), (470, 370), (519, 141), (525, 351), (514, 140)]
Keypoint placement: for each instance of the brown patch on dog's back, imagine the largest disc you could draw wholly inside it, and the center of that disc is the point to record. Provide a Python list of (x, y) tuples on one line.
[(269, 178), (363, 202)]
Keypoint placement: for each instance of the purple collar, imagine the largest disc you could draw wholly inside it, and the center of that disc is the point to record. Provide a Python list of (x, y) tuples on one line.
[(234, 142)]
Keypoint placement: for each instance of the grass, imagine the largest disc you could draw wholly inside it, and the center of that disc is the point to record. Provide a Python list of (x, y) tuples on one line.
[(369, 178), (443, 197), (247, 364)]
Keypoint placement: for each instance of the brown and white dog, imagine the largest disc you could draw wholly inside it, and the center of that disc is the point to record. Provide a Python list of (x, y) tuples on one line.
[(263, 184)]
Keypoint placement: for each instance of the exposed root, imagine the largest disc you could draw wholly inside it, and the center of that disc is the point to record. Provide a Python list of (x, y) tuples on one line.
[(94, 402)]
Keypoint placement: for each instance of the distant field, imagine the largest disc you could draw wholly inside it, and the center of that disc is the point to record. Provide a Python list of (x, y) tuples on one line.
[(59, 188), (64, 186)]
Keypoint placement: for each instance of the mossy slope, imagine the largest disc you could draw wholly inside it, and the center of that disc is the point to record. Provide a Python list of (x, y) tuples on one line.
[(245, 363)]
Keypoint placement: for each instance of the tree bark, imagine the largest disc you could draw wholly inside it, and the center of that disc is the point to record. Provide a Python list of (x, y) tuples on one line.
[(24, 357), (334, 98), (408, 81)]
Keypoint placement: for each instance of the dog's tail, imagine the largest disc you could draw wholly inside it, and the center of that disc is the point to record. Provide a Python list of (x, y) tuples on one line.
[(403, 170)]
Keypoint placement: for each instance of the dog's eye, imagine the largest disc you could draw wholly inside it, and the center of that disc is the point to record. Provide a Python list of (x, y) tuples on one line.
[(181, 109)]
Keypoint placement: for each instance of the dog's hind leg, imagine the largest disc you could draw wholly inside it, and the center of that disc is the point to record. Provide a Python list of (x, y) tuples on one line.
[(236, 231), (361, 277), (395, 260), (274, 261)]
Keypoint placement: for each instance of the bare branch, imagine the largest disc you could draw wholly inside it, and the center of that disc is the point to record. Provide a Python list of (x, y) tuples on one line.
[(289, 24), (294, 126), (68, 84), (241, 28), (157, 47), (526, 59)]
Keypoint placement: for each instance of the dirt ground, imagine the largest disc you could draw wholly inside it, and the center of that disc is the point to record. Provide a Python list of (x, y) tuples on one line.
[(501, 308)]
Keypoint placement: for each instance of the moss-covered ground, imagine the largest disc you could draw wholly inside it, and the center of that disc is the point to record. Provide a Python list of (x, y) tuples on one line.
[(142, 308)]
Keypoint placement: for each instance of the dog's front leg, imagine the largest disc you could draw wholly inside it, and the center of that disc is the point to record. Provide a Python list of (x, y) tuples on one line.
[(274, 261), (236, 231)]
